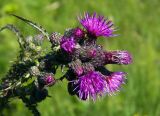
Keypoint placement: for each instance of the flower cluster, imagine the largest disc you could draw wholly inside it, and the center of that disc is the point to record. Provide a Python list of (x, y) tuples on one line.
[(77, 50), (87, 75)]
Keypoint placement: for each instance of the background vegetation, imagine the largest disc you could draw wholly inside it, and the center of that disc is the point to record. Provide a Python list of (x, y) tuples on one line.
[(139, 29)]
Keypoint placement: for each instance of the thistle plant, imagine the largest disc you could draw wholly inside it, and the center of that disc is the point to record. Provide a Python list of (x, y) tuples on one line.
[(77, 50)]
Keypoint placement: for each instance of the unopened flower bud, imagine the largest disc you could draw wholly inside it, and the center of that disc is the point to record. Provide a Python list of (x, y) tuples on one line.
[(91, 53), (47, 80), (76, 66), (55, 38), (78, 33)]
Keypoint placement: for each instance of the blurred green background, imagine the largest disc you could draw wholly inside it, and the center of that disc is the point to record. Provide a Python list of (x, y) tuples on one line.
[(139, 29)]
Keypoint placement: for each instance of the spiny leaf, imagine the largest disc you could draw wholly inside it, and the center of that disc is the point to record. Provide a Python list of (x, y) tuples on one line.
[(35, 25)]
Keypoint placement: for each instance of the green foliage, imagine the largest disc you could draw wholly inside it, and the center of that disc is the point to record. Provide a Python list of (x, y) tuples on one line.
[(139, 29)]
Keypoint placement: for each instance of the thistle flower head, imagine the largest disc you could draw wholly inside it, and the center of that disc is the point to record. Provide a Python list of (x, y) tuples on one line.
[(92, 53), (76, 66), (118, 57), (115, 81), (78, 32), (91, 85), (55, 38), (68, 44), (97, 25), (47, 80)]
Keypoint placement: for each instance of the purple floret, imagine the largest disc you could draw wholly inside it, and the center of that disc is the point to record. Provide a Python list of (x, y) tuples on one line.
[(68, 44), (115, 81), (91, 85), (97, 25)]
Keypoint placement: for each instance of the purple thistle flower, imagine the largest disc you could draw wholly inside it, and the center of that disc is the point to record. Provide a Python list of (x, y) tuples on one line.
[(91, 85), (97, 25), (118, 57), (68, 44), (114, 81), (78, 32)]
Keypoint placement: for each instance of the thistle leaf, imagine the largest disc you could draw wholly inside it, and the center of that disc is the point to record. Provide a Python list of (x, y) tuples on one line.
[(35, 25)]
